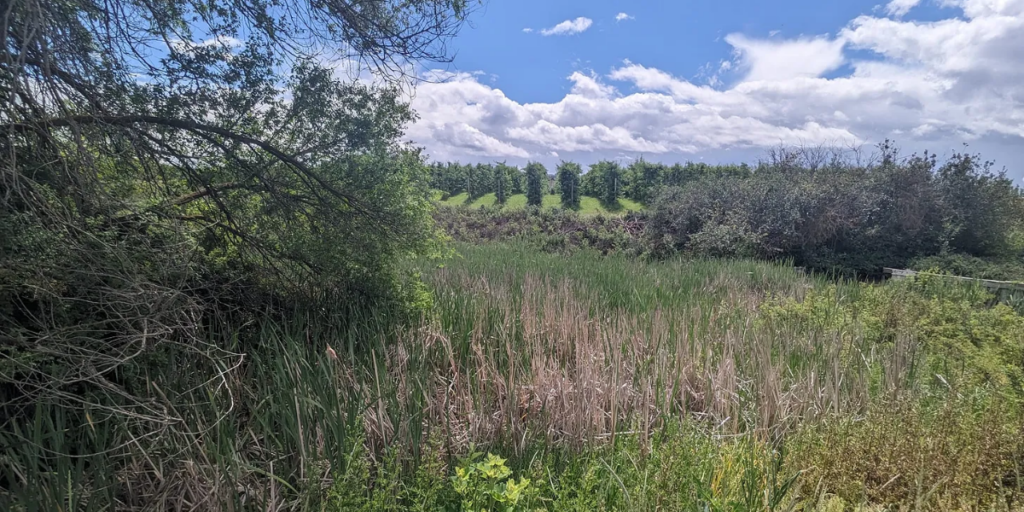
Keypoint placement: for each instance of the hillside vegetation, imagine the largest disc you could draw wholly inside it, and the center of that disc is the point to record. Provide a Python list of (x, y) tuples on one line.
[(837, 216)]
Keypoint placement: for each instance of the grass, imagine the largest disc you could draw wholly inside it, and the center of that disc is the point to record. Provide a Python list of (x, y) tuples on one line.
[(610, 383), (588, 205)]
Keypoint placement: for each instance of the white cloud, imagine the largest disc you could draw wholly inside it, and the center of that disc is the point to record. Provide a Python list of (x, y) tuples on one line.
[(569, 27), (623, 17), (781, 60), (929, 85), (527, 30), (900, 8), (590, 87)]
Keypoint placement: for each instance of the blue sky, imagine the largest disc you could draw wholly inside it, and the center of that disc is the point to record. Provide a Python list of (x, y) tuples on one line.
[(679, 37), (726, 80)]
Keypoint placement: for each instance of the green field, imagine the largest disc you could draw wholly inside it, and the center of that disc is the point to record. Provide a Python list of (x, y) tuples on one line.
[(588, 204)]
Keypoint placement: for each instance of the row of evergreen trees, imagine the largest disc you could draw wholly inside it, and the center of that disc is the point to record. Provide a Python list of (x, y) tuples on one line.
[(605, 180)]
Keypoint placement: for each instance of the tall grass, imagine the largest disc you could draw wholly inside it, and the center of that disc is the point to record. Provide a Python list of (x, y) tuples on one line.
[(614, 384)]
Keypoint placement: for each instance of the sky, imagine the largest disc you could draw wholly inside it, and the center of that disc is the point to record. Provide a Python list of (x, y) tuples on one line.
[(725, 81)]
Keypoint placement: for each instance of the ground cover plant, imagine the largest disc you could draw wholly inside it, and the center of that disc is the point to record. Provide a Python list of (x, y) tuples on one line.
[(602, 383)]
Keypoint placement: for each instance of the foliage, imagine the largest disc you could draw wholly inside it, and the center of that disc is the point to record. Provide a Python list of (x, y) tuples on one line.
[(843, 217), (568, 177), (547, 229), (175, 177), (487, 485), (536, 176), (972, 266), (604, 180), (962, 454), (643, 179), (503, 182), (967, 343), (206, 275), (612, 384), (640, 182)]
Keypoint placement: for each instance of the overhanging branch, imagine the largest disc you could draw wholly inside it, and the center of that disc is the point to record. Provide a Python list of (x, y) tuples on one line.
[(192, 126)]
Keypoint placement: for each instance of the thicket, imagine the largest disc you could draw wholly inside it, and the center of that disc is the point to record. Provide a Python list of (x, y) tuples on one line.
[(552, 230), (845, 218), (175, 177)]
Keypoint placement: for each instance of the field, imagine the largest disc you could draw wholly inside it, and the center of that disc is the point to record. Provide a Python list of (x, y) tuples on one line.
[(608, 383), (587, 204)]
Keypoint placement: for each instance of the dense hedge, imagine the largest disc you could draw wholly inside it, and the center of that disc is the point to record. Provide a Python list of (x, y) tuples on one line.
[(846, 218)]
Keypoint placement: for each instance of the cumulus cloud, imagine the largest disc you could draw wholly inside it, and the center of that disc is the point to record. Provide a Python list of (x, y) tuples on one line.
[(622, 17), (589, 86), (932, 84), (781, 60), (900, 8), (527, 30), (568, 27)]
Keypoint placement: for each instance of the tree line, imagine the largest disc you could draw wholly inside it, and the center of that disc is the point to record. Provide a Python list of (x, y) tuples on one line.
[(606, 180), (825, 210)]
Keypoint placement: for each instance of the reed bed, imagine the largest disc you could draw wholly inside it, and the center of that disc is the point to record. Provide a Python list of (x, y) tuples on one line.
[(615, 384)]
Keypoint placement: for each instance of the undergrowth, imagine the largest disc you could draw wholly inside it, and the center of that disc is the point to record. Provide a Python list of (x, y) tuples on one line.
[(586, 382)]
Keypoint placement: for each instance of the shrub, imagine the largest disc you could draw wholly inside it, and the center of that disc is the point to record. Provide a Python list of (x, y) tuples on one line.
[(960, 455), (972, 266), (843, 218)]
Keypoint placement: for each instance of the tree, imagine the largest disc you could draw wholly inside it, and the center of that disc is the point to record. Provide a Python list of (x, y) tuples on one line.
[(535, 176), (502, 181), (479, 179), (448, 177), (172, 167), (613, 184), (980, 207), (592, 183), (644, 178), (569, 184), (516, 175), (202, 115), (469, 171)]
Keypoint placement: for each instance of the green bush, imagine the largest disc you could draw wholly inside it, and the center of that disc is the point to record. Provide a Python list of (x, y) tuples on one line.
[(843, 218), (972, 266), (962, 340)]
